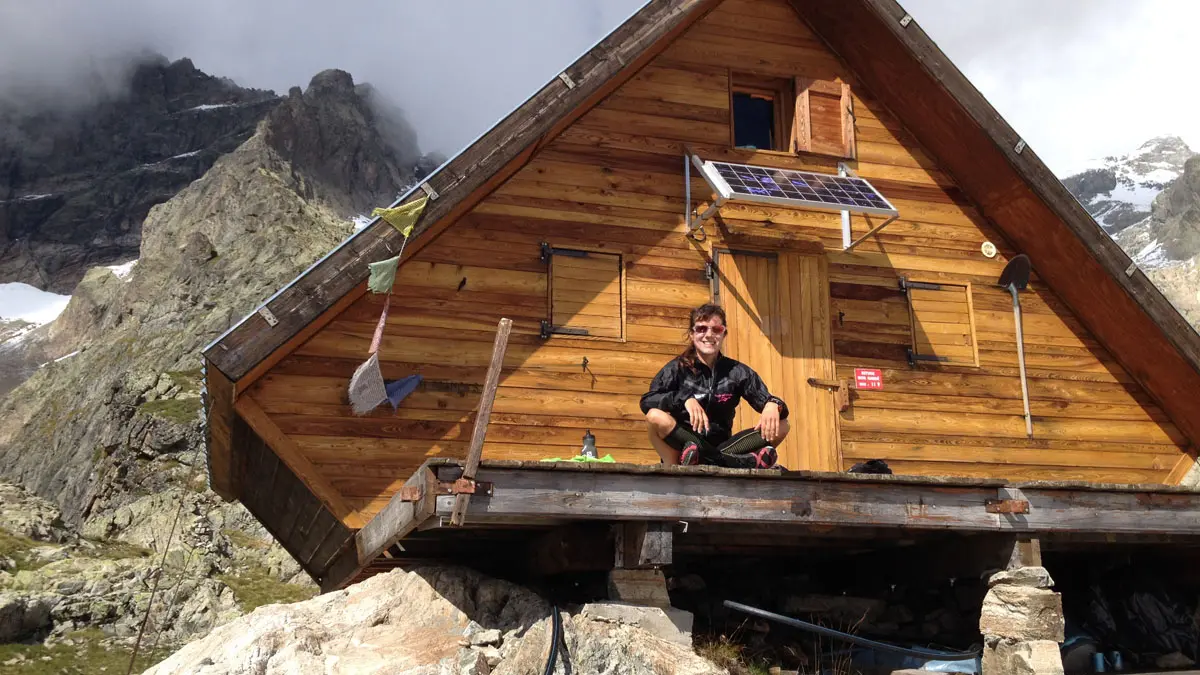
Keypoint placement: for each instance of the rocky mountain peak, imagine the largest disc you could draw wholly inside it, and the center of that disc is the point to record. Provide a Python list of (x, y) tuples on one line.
[(76, 184), (333, 133), (1149, 201), (1119, 190)]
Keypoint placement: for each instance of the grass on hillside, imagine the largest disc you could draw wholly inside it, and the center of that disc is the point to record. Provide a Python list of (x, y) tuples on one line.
[(253, 586), (178, 410), (17, 548), (188, 380), (88, 656), (244, 540)]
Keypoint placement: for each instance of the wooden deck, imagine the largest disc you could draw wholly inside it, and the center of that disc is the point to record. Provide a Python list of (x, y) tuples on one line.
[(717, 509)]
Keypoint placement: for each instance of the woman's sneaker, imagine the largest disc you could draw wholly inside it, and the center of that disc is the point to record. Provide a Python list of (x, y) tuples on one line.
[(690, 455), (765, 458)]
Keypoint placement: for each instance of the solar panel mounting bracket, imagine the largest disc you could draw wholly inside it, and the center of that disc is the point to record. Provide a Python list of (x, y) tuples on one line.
[(695, 221), (870, 233)]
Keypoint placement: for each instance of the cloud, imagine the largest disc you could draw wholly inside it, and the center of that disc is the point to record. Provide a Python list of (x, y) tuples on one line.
[(455, 67), (1077, 78)]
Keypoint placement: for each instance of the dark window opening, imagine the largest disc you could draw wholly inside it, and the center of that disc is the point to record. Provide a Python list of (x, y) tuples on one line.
[(762, 112), (753, 121)]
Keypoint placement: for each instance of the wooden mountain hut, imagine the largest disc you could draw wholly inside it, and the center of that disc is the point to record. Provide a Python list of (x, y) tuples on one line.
[(608, 204)]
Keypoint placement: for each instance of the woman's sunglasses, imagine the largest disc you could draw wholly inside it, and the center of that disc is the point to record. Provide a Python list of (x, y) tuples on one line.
[(715, 330)]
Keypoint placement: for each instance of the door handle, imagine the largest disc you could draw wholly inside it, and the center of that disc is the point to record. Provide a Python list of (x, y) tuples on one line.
[(840, 388)]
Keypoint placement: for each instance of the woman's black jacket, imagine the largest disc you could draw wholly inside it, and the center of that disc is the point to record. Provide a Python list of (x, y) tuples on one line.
[(718, 390)]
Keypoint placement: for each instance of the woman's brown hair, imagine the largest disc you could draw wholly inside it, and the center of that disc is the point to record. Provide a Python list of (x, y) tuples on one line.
[(701, 313)]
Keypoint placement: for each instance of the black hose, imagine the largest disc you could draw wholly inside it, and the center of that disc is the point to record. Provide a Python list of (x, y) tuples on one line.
[(853, 639), (555, 638)]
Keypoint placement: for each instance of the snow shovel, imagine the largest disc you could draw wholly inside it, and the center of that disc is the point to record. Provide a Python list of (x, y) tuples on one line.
[(1015, 278)]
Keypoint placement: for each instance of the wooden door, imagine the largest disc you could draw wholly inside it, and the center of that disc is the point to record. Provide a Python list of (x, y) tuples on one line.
[(777, 308)]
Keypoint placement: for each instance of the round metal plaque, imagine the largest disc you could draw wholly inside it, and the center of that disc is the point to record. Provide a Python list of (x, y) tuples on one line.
[(989, 249)]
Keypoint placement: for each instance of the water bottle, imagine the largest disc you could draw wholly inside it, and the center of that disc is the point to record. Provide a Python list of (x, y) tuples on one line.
[(589, 445)]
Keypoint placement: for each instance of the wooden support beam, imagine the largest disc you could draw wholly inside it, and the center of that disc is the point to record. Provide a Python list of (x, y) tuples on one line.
[(641, 544), (639, 587), (579, 547), (530, 495), (482, 416), (390, 525), (287, 451), (1024, 551)]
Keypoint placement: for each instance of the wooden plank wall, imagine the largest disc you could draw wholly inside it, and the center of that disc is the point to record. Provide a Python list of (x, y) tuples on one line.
[(612, 182), (287, 509)]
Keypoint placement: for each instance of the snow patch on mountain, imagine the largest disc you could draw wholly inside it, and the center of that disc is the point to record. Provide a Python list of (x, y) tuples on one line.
[(123, 270), (1119, 191), (23, 302)]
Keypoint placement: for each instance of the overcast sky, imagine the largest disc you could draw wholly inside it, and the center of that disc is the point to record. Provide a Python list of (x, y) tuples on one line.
[(1077, 78)]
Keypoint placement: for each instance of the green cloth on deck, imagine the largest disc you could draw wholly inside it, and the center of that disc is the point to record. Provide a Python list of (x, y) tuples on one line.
[(403, 217), (383, 275), (607, 459)]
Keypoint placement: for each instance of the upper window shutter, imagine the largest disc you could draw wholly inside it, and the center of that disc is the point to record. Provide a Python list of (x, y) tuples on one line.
[(586, 294), (849, 139), (801, 129), (824, 118)]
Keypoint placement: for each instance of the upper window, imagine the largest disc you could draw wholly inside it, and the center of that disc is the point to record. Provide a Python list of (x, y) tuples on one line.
[(761, 112), (943, 323), (587, 293), (792, 115)]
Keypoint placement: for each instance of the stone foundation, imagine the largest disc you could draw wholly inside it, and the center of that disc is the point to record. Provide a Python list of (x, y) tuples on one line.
[(1022, 624)]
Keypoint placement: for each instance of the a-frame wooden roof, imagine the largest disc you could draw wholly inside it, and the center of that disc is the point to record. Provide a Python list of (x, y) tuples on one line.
[(906, 72)]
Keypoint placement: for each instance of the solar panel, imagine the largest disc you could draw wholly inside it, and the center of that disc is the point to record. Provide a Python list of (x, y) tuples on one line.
[(744, 182)]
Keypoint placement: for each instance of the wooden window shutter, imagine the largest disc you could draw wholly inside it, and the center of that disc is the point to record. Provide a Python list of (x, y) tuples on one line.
[(587, 294), (823, 121), (943, 323), (801, 126), (849, 139)]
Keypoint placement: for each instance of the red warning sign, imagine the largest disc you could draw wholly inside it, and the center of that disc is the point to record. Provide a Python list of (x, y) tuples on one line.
[(868, 378)]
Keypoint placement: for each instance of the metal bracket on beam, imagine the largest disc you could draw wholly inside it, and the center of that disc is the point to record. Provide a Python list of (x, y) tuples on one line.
[(1008, 501), (268, 316), (466, 486), (905, 20), (429, 191), (462, 486), (1007, 506)]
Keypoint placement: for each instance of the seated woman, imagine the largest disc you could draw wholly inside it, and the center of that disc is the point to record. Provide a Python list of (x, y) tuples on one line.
[(692, 401)]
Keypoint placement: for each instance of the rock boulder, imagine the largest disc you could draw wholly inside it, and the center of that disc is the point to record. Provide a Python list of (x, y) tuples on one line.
[(423, 622)]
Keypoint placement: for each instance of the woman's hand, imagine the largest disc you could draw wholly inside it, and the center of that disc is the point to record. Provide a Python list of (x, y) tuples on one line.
[(696, 414), (768, 424)]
